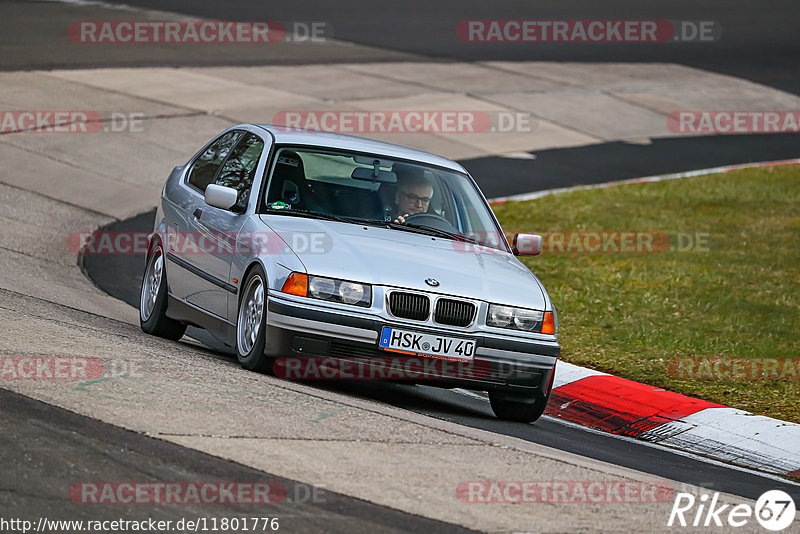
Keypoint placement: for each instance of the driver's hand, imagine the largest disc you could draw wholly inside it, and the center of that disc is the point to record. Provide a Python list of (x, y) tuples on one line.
[(401, 218)]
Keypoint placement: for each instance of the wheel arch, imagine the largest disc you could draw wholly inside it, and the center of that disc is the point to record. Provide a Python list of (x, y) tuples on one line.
[(252, 265)]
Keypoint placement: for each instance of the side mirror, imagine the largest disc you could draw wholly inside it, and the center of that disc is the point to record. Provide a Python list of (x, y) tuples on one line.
[(527, 245), (220, 196)]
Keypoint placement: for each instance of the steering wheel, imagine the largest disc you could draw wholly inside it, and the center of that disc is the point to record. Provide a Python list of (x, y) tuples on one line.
[(432, 220)]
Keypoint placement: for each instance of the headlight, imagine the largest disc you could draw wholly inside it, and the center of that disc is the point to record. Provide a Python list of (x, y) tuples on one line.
[(527, 319), (500, 316), (321, 288), (351, 292), (518, 318), (339, 291)]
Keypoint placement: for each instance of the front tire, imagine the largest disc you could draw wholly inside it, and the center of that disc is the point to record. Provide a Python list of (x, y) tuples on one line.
[(526, 411), (153, 299), (251, 323), (518, 411)]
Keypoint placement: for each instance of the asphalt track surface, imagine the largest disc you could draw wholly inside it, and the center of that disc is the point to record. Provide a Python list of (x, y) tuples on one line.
[(758, 43), (605, 162), (121, 276)]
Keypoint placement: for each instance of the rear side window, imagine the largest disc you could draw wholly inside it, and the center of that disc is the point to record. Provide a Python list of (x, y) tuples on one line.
[(240, 168), (205, 167)]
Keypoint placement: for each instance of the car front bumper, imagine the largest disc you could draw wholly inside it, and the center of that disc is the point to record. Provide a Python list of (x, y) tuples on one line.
[(297, 332)]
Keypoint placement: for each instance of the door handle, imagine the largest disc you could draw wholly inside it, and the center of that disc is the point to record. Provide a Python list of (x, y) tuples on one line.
[(197, 213)]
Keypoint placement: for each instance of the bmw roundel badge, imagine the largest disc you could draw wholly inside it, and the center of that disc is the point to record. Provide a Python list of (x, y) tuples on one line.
[(433, 282)]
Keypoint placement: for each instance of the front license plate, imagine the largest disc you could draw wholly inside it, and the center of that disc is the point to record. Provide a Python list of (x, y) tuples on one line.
[(416, 343)]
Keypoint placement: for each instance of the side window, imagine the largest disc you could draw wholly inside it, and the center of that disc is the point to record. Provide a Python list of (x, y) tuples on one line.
[(205, 166), (240, 168)]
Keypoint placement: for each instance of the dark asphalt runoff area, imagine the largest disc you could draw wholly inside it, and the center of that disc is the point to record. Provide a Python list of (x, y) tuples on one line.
[(46, 450), (605, 162)]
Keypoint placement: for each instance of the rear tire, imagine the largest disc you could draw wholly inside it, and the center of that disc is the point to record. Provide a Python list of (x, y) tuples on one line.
[(153, 299), (251, 323)]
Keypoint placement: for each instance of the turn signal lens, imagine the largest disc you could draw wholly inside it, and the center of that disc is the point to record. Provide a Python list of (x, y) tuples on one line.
[(296, 284), (549, 323)]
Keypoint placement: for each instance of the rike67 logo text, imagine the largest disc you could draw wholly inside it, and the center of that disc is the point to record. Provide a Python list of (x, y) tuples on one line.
[(774, 510)]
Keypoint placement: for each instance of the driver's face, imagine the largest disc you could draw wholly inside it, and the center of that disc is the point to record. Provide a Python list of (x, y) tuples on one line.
[(414, 199)]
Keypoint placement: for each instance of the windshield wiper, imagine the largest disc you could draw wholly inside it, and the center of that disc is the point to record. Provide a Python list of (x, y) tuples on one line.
[(312, 215), (427, 230)]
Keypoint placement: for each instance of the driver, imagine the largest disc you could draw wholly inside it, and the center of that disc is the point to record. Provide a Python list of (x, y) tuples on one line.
[(414, 192)]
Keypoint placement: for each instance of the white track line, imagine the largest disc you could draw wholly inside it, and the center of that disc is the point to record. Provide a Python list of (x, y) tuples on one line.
[(646, 179)]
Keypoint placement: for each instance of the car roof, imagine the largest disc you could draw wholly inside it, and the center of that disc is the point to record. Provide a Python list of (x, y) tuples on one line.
[(299, 136)]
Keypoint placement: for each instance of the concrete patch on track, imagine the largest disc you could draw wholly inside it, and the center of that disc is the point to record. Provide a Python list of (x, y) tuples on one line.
[(564, 108)]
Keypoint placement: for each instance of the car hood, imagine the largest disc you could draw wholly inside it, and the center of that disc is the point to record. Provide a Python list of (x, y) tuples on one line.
[(397, 258)]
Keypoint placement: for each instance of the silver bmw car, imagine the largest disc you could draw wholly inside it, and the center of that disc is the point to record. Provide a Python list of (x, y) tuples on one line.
[(318, 256)]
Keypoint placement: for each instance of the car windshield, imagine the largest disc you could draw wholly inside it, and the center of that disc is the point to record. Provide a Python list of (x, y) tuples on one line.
[(367, 189)]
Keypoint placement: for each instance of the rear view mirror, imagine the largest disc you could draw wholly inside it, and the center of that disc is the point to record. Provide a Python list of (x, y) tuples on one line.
[(374, 175), (220, 196), (369, 160), (527, 245)]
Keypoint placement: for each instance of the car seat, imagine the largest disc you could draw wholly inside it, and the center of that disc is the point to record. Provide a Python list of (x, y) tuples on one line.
[(289, 183)]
